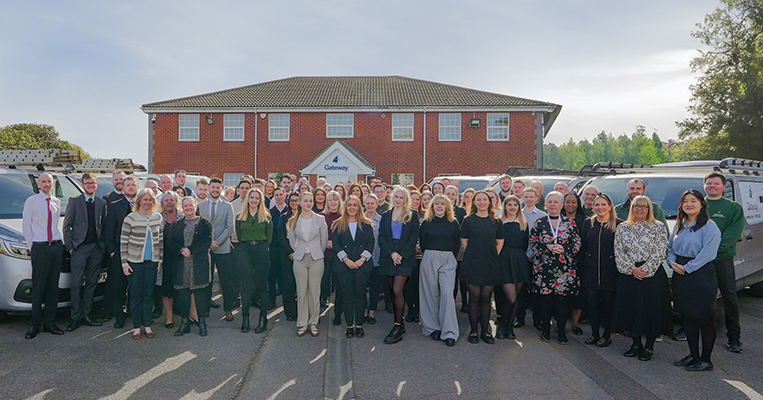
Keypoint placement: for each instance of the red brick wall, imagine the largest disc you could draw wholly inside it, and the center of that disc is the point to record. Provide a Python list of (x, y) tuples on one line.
[(473, 155)]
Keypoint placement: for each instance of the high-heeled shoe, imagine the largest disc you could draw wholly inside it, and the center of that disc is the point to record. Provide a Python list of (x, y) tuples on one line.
[(202, 326), (185, 327), (245, 327)]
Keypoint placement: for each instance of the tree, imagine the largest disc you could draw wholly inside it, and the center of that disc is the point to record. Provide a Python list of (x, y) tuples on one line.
[(34, 136), (727, 100)]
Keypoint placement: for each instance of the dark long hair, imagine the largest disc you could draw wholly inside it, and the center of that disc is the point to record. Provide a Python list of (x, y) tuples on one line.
[(579, 211), (702, 217)]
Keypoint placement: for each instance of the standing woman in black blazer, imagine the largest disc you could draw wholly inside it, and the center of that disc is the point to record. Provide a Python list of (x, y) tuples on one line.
[(398, 234), (353, 235)]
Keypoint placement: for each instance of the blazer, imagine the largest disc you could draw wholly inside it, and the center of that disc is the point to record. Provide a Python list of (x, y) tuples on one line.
[(316, 241), (346, 246), (202, 239), (406, 247), (76, 224), (112, 196), (116, 211), (222, 226)]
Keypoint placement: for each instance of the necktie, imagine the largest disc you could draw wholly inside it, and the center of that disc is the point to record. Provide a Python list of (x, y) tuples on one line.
[(214, 203), (50, 221)]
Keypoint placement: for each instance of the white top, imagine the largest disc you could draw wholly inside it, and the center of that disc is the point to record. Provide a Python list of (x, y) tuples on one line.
[(306, 225), (35, 218), (353, 228)]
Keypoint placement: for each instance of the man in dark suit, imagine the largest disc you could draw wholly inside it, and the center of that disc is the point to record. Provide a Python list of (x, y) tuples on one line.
[(117, 178), (116, 282), (84, 241)]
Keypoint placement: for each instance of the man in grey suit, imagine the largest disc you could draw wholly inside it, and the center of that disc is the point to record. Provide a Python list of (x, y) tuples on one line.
[(84, 241), (221, 214)]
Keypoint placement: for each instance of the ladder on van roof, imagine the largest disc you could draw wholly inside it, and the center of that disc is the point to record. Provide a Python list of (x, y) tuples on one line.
[(64, 161), (729, 165)]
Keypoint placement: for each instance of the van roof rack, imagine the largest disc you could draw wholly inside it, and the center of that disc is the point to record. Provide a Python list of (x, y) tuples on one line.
[(66, 161), (525, 171), (731, 165)]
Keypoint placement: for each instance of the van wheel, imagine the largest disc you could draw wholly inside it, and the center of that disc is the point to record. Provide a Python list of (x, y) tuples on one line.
[(757, 289)]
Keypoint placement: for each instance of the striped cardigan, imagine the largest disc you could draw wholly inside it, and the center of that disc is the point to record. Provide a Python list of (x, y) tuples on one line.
[(133, 238)]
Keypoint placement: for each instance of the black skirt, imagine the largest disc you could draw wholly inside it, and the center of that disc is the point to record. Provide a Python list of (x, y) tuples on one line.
[(405, 268), (695, 294), (642, 307)]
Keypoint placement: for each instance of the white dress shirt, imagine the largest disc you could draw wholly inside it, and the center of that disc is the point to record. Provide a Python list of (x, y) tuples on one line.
[(35, 218)]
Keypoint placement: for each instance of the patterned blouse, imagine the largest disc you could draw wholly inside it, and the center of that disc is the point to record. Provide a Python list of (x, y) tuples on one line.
[(555, 273), (640, 242)]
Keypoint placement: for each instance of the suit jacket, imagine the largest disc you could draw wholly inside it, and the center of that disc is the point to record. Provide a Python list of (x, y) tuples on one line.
[(116, 211), (362, 245), (112, 196), (222, 226), (406, 247), (316, 240), (76, 224)]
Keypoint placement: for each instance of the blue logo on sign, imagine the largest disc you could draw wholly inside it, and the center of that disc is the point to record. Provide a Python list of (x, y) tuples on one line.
[(336, 160), (750, 191)]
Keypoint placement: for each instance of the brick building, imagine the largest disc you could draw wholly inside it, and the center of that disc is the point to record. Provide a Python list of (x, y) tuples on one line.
[(347, 128)]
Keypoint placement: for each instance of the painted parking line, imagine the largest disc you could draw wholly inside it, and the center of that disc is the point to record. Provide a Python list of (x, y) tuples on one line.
[(168, 365), (742, 387), (193, 395), (400, 388), (285, 385), (41, 395), (458, 387), (323, 353)]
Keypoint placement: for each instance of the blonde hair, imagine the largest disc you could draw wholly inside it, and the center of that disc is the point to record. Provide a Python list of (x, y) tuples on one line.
[(520, 214), (650, 215), (140, 195), (263, 215), (440, 198), (292, 223), (406, 214), (342, 223), (329, 195)]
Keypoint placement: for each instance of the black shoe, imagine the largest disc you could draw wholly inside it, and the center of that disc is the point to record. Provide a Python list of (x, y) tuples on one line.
[(185, 327), (262, 326), (170, 325), (157, 313), (700, 366), (337, 319), (684, 362), (73, 326), (474, 338), (592, 340), (577, 330), (290, 318), (603, 342), (395, 335), (119, 323), (734, 347), (32, 332), (86, 320), (245, 327), (510, 333), (537, 326), (450, 342), (680, 335), (359, 333), (562, 338), (389, 309), (349, 333), (464, 309), (52, 328), (632, 352), (518, 323), (545, 336), (435, 335), (488, 338), (105, 317), (500, 333), (409, 317), (371, 320), (645, 354), (212, 304), (202, 326)]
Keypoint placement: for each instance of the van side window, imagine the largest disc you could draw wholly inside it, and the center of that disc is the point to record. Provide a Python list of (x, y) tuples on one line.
[(728, 192)]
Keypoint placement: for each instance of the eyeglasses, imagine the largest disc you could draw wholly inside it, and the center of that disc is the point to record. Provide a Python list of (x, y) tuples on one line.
[(641, 207)]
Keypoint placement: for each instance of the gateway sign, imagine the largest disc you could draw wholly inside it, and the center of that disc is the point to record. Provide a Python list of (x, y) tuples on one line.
[(338, 159)]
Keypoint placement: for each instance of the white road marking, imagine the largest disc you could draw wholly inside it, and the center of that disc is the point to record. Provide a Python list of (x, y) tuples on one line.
[(323, 353), (217, 297), (285, 385), (373, 348), (168, 365), (275, 312), (41, 395), (100, 334), (458, 387), (344, 389), (212, 358), (124, 334), (192, 395), (400, 387), (327, 309), (519, 343), (748, 391)]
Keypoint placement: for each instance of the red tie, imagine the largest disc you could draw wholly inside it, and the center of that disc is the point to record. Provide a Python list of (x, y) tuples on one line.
[(50, 222)]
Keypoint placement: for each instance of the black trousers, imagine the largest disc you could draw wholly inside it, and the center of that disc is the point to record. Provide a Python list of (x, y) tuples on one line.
[(524, 300), (288, 285), (86, 264), (226, 271), (116, 288), (727, 283), (353, 291), (412, 290), (274, 278), (46, 268), (183, 301), (600, 305), (547, 304), (377, 284), (254, 268), (329, 280)]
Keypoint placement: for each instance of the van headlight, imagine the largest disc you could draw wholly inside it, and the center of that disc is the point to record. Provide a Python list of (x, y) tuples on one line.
[(13, 248)]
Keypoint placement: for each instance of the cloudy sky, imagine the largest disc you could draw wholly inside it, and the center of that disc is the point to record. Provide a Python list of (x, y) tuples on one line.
[(86, 67)]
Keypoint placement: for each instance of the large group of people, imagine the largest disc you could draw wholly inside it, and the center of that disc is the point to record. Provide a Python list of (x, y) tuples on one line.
[(416, 247)]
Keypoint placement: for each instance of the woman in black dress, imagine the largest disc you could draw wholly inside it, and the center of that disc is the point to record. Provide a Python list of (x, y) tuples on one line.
[(482, 238), (598, 273), (514, 264), (573, 209), (398, 234)]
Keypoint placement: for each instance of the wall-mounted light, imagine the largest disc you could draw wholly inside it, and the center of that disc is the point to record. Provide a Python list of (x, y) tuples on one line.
[(384, 115), (210, 120), (474, 123), (153, 119), (263, 115)]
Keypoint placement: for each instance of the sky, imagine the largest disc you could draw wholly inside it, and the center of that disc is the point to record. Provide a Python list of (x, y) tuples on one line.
[(86, 67)]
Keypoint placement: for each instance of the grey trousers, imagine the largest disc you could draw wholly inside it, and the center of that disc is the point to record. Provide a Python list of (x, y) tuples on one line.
[(85, 265), (437, 307), (308, 273)]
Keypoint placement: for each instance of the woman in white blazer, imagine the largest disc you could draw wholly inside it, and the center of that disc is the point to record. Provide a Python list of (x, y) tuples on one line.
[(308, 236)]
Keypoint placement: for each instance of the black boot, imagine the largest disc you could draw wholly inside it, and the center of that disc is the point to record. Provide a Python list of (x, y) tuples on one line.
[(245, 327), (501, 332), (262, 326), (185, 327), (395, 335), (202, 326)]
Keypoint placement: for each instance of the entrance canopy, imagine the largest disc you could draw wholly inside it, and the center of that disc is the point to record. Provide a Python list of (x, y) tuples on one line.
[(338, 159)]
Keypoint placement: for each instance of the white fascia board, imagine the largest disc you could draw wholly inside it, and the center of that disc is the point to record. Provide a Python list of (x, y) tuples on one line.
[(277, 110)]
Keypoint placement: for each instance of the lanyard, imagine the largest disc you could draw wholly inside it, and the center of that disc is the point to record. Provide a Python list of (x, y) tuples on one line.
[(555, 231)]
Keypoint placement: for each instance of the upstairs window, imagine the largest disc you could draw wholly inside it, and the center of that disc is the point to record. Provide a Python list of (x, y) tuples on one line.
[(234, 128), (339, 125), (450, 127), (188, 125), (278, 127), (402, 127), (498, 127)]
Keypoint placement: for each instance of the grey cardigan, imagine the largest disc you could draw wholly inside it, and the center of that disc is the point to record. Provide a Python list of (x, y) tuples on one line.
[(133, 238)]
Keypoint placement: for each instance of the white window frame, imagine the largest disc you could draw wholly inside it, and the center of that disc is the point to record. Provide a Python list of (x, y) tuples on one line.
[(187, 131), (403, 178), (445, 117), (228, 177), (279, 128), (494, 131), (351, 125), (402, 127), (233, 130), (274, 177)]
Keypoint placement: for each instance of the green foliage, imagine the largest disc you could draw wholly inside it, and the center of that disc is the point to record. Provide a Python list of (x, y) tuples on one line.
[(727, 100), (34, 136)]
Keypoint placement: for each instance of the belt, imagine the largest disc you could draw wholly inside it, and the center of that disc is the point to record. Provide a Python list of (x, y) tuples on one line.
[(52, 243), (254, 242)]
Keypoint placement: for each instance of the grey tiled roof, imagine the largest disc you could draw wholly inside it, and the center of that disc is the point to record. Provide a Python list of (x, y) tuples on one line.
[(348, 91)]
